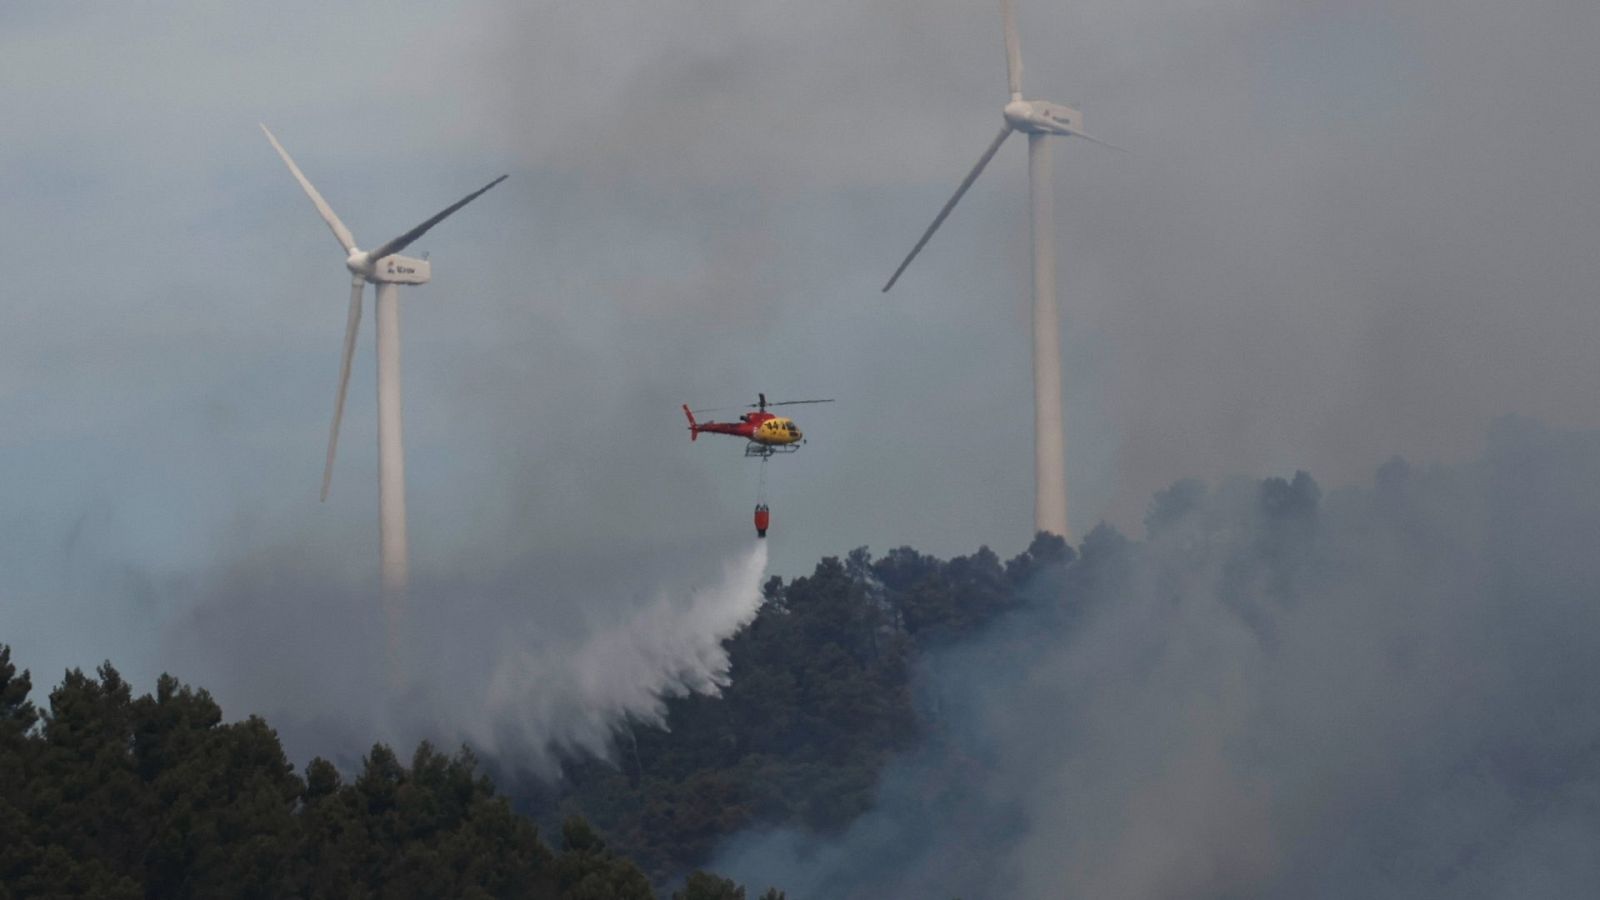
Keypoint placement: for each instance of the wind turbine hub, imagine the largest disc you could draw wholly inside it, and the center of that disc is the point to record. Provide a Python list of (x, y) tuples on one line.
[(358, 263)]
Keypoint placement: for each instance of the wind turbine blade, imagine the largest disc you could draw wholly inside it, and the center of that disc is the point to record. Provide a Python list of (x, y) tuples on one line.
[(352, 325), (404, 240), (1095, 140), (1013, 48), (346, 239), (939, 219)]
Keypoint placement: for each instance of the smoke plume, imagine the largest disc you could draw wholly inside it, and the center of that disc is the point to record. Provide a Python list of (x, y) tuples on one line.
[(524, 665), (540, 693), (1391, 691)]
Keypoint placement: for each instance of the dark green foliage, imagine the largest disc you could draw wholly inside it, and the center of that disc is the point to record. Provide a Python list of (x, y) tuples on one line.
[(705, 886), (820, 699), (111, 796), (588, 871)]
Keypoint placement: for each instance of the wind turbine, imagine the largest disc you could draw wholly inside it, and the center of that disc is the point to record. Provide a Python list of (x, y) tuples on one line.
[(1039, 120), (388, 270)]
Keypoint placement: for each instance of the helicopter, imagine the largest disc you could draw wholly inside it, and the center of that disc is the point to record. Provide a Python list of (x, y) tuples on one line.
[(766, 435)]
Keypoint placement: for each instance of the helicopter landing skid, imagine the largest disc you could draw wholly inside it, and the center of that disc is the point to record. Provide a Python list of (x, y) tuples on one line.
[(765, 451)]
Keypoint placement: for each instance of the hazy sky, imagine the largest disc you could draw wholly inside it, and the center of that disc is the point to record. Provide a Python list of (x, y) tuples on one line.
[(1349, 229)]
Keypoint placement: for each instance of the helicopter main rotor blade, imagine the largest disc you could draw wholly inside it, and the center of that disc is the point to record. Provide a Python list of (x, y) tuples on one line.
[(717, 409), (798, 402)]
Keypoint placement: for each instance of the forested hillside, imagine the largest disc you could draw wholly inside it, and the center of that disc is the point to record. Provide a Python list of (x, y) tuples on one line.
[(914, 727), (820, 700), (906, 726), (1383, 690), (110, 796)]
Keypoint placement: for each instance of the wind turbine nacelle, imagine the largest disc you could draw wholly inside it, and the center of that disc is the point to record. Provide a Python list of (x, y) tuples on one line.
[(1043, 117), (397, 269)]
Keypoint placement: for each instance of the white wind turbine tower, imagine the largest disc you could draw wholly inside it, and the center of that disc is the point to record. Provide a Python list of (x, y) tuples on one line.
[(1039, 120), (384, 268)]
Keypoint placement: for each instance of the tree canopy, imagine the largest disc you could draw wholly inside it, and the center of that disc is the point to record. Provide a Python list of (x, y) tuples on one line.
[(820, 700), (109, 795)]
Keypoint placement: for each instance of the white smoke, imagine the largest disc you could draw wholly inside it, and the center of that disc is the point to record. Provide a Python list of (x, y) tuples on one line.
[(553, 657), (540, 693)]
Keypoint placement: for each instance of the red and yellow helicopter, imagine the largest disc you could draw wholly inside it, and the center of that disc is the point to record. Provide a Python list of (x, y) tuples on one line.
[(767, 434)]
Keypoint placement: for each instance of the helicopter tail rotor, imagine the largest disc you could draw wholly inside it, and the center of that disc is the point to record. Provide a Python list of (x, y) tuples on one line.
[(694, 427)]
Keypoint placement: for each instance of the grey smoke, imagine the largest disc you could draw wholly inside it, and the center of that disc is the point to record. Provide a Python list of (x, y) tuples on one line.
[(1351, 229), (1390, 691)]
